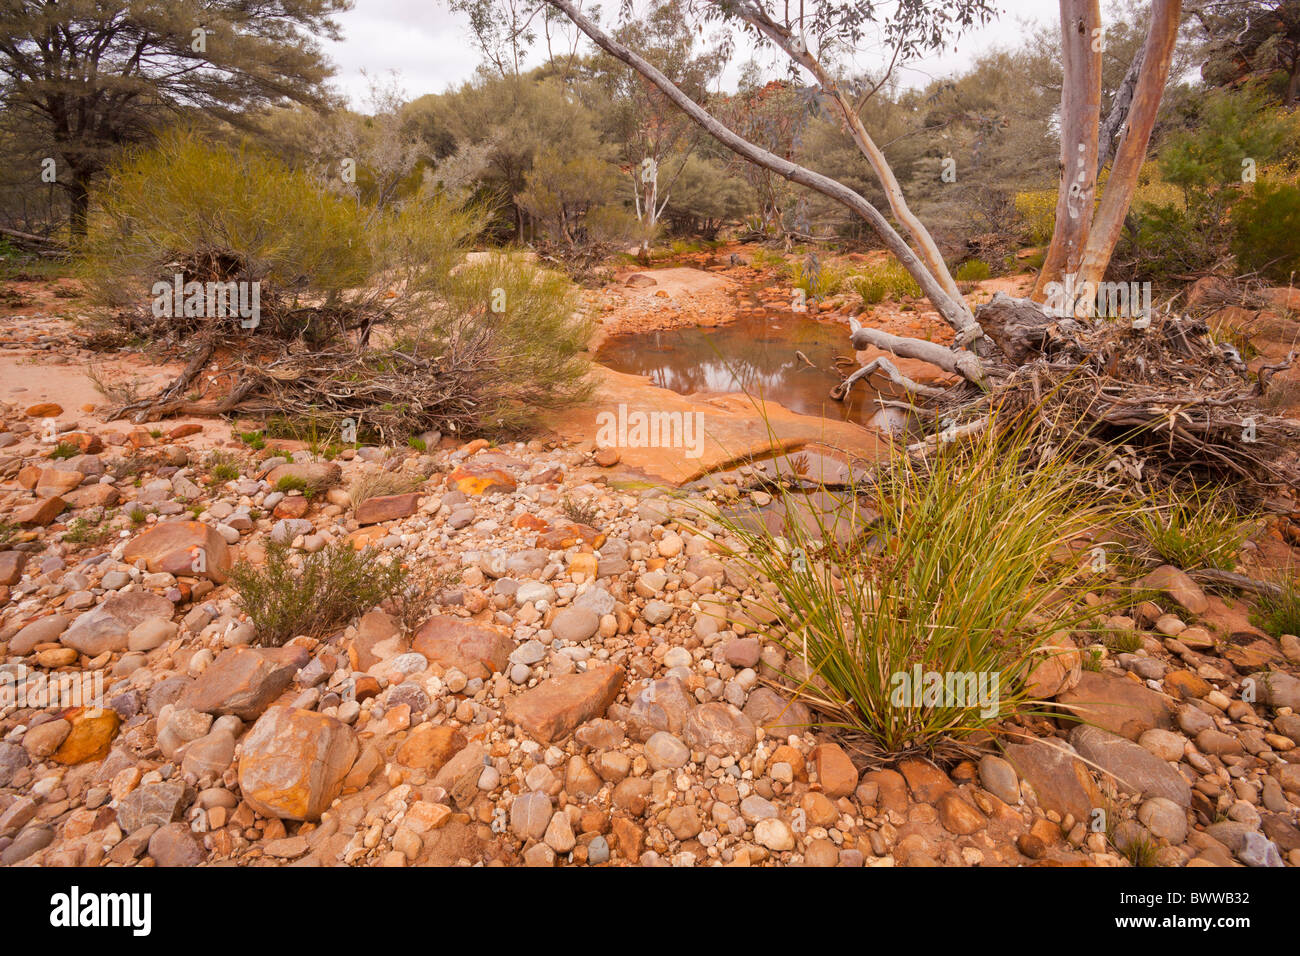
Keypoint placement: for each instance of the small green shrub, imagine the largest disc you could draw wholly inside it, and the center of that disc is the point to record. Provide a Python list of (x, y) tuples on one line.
[(1197, 529), (1266, 231), (955, 578), (1279, 614), (222, 467), (884, 280), (580, 512), (291, 483), (83, 531), (65, 450), (973, 270), (295, 593), (817, 280)]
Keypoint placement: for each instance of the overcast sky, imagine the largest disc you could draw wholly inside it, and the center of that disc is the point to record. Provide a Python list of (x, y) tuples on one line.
[(431, 49)]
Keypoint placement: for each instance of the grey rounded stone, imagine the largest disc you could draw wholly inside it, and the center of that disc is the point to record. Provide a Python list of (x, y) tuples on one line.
[(575, 624), (663, 751)]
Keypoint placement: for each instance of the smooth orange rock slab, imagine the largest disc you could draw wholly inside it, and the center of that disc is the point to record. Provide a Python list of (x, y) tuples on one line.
[(430, 746), (44, 410), (294, 761), (530, 522), (838, 776), (52, 481), (475, 479), (387, 508), (40, 513), (566, 536), (184, 431), (474, 649), (554, 708), (182, 547), (733, 426), (84, 442), (93, 730)]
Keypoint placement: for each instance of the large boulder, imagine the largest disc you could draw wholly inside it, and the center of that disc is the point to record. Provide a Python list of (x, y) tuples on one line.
[(105, 628), (473, 649), (1057, 775), (1121, 705), (189, 548), (552, 709), (293, 763), (244, 681), (1134, 768)]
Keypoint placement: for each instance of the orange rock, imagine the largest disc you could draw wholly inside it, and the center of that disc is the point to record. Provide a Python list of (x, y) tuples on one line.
[(44, 410), (551, 711), (41, 513), (294, 506), (93, 730), (478, 480), (387, 508), (293, 763), (530, 522), (182, 547), (474, 649), (566, 536), (84, 442), (184, 431), (838, 776), (430, 746)]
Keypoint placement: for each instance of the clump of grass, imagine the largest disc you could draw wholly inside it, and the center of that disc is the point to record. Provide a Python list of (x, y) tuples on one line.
[(1197, 529), (418, 443), (955, 577), (580, 512), (65, 449), (291, 483), (1123, 642), (973, 270), (1093, 661), (136, 514), (83, 531), (7, 533), (817, 280), (254, 440), (378, 484), (1279, 614), (312, 594), (884, 280), (1140, 851), (767, 259), (222, 468)]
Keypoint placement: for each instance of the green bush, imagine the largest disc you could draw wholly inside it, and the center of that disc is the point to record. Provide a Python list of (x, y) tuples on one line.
[(1193, 530), (1280, 614), (884, 280), (1266, 231), (817, 280), (324, 591), (973, 270), (957, 576), (404, 334)]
